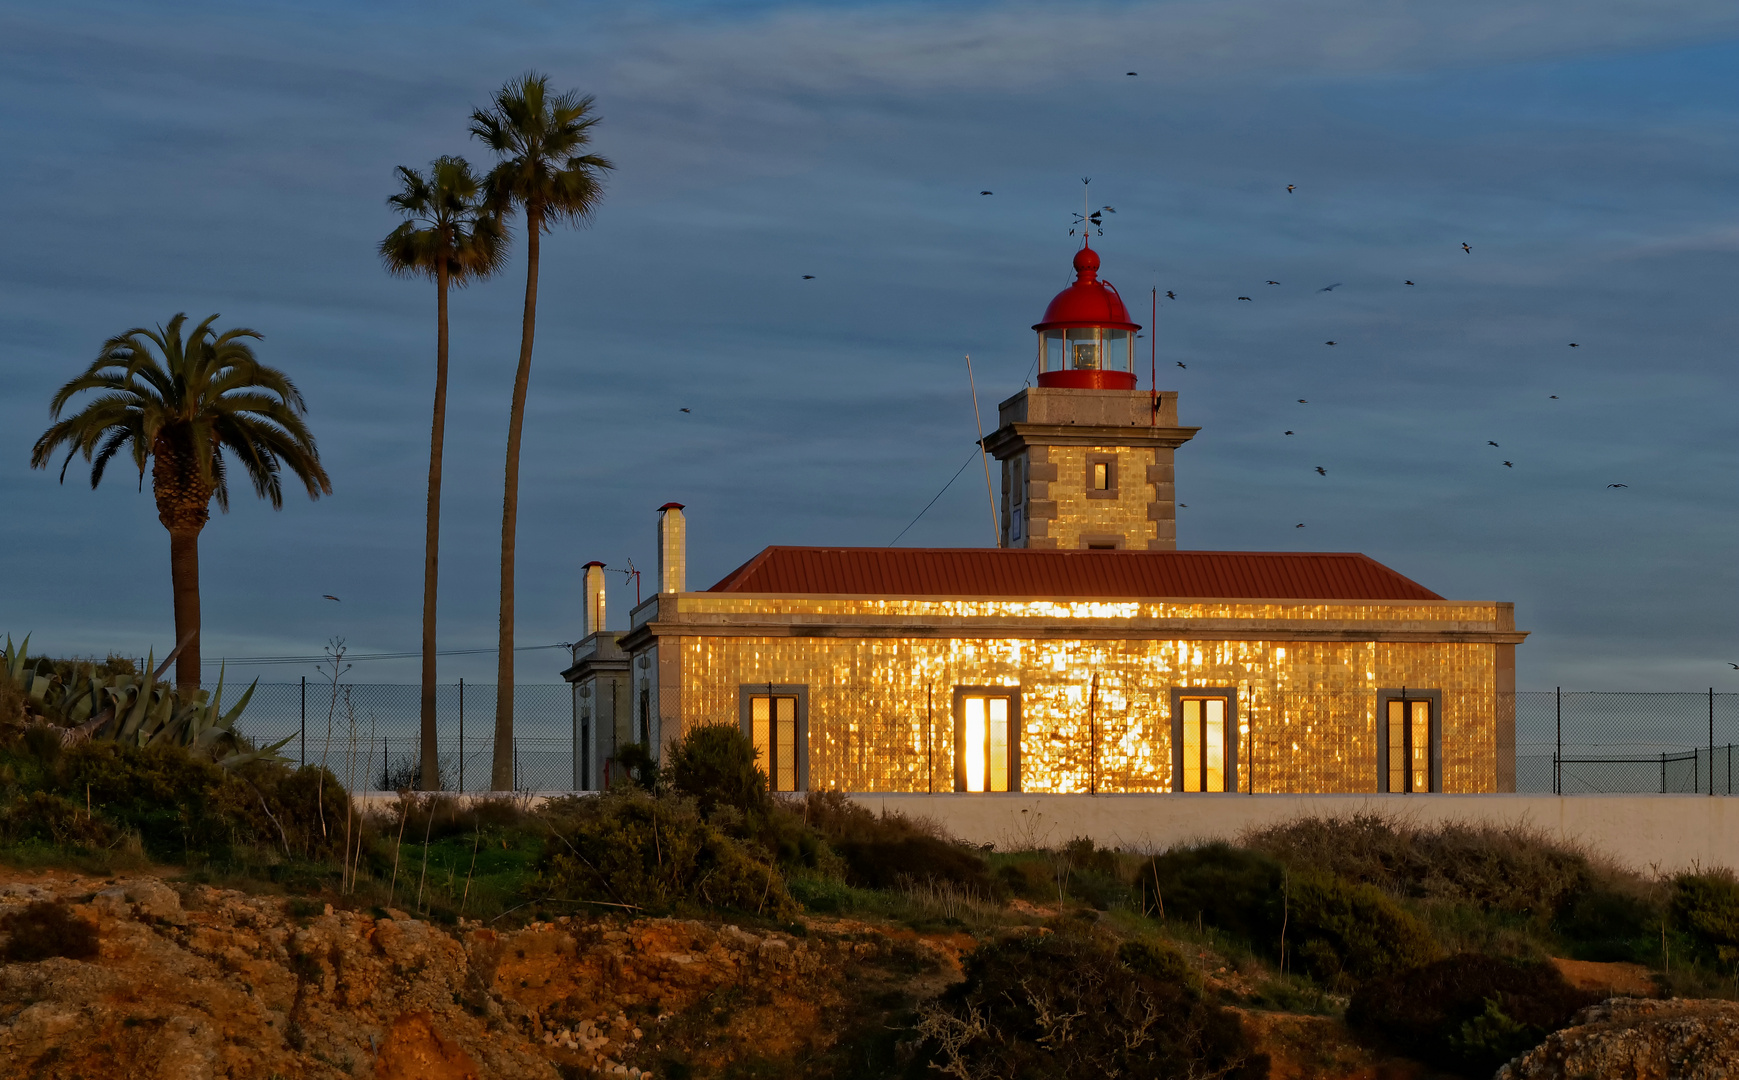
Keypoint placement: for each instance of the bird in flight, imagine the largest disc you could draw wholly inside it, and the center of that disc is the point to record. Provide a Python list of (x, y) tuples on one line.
[(1509, 465), (1301, 401), (1732, 665), (1300, 525), (1129, 73), (684, 410), (1320, 471), (1289, 433), (1169, 295), (987, 193), (1290, 188), (1573, 345), (329, 596), (1617, 485), (1406, 283), (1331, 288), (1246, 298), (1554, 397), (1180, 364), (1273, 283), (1328, 343), (1488, 442), (808, 277), (1467, 249), (1186, 506)]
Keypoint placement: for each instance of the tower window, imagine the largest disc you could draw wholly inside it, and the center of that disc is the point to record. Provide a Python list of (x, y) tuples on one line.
[(1101, 476)]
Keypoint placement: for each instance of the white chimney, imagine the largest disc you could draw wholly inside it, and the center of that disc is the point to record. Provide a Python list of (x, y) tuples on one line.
[(593, 622), (672, 556)]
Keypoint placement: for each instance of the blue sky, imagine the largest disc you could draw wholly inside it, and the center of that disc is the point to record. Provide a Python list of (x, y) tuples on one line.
[(236, 158)]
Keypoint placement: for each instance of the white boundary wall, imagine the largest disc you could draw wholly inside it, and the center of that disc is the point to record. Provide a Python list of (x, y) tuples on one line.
[(1648, 833)]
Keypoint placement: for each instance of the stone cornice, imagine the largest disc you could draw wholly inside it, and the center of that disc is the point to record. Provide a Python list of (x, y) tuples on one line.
[(1083, 629), (1009, 439)]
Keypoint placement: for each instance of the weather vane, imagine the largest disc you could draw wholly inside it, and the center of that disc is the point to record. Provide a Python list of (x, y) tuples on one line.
[(1089, 218)]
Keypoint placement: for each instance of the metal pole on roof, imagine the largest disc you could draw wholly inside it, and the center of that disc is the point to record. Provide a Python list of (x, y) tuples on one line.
[(995, 528)]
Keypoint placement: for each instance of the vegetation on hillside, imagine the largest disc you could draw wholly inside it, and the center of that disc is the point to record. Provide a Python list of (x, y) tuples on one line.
[(1432, 943)]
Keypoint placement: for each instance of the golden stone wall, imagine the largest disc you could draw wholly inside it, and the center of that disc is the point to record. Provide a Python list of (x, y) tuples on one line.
[(880, 708), (1078, 516)]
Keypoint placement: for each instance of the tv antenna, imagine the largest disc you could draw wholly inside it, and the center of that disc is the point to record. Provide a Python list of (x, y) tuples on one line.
[(628, 575)]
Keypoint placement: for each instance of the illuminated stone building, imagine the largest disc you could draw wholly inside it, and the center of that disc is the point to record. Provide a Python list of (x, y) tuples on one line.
[(1086, 654)]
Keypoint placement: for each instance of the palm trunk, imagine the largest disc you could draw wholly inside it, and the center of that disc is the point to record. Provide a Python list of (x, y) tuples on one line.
[(431, 763), (501, 768), (183, 506), (184, 580)]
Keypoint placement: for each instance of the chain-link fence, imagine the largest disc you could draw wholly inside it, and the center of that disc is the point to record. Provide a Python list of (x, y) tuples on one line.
[(1102, 736), (368, 733)]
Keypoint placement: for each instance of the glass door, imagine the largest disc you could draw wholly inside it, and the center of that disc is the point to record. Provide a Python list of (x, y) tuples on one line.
[(1409, 745), (773, 728), (1203, 742), (984, 741)]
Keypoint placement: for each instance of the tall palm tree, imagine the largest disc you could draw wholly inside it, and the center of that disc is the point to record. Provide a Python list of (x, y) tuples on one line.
[(181, 405), (449, 235), (539, 137)]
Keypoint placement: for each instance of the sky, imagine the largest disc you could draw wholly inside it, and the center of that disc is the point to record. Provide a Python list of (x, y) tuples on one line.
[(236, 158)]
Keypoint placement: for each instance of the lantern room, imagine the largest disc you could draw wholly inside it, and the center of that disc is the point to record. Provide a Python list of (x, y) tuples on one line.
[(1086, 341)]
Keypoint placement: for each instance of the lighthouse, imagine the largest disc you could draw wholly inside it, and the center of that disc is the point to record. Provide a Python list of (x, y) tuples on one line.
[(1087, 456)]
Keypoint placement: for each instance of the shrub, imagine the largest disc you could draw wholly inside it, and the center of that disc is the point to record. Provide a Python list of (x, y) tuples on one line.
[(1075, 1003), (1706, 906), (1342, 932), (42, 816), (1230, 888), (882, 850), (715, 765), (1511, 868), (1469, 1012), (1610, 922), (42, 929), (653, 853)]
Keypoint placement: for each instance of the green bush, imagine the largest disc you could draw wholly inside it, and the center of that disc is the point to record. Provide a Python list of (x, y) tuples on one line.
[(1468, 1012), (715, 765), (1342, 933), (1077, 1004), (1706, 906), (881, 851), (41, 816), (1512, 868), (1608, 922), (1230, 888), (655, 854)]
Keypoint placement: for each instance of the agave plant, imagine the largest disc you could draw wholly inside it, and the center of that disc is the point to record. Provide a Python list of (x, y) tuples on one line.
[(138, 710)]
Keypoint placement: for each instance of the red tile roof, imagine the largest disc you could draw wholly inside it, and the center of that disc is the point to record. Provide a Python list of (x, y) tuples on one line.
[(1073, 575)]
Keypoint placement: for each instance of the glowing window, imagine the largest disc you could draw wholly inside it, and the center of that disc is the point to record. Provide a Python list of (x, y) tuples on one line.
[(773, 729), (1083, 349), (985, 741), (1101, 476), (1203, 744), (1408, 735)]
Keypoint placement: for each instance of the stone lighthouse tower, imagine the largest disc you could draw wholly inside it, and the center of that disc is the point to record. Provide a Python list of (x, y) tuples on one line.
[(1086, 456)]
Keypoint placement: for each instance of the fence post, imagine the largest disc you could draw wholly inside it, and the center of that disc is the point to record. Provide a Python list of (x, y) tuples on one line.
[(930, 736), (1711, 741), (1093, 738), (1663, 772), (302, 744), (515, 760), (461, 736)]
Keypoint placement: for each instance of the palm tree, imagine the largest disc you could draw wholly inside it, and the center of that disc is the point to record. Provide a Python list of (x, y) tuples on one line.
[(539, 137), (181, 407), (452, 237)]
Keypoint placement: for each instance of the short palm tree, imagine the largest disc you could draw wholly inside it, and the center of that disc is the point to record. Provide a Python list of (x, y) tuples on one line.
[(189, 406), (540, 138), (451, 236)]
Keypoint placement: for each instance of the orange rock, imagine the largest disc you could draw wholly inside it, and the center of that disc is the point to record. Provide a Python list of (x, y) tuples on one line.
[(414, 1050)]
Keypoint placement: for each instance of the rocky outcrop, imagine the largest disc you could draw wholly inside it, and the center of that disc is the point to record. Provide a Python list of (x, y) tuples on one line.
[(1639, 1039), (201, 982)]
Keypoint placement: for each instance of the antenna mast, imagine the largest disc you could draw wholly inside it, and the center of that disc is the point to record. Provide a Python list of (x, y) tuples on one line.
[(995, 527)]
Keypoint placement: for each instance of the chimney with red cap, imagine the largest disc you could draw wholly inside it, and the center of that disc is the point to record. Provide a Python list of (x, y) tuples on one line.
[(593, 622), (672, 555)]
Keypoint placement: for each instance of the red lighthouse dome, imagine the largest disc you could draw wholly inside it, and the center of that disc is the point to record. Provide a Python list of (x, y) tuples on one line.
[(1086, 340)]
